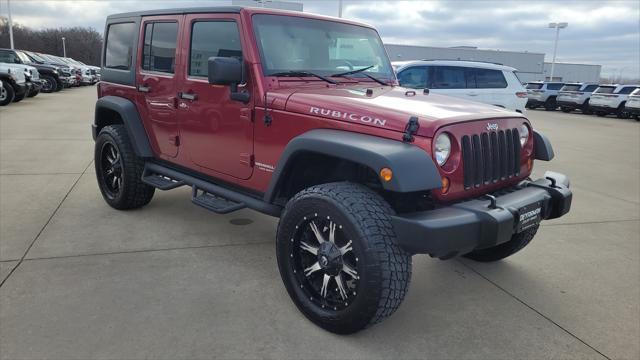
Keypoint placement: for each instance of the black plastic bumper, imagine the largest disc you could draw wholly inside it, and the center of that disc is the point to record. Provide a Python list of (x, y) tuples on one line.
[(534, 103), (568, 104), (604, 109), (632, 111), (463, 227)]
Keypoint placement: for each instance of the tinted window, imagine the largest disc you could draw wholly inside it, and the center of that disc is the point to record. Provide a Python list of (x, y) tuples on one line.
[(449, 77), (119, 46), (8, 56), (554, 86), (626, 90), (570, 88), (590, 88), (605, 89), (211, 39), (414, 77), (490, 79), (159, 52), (534, 86)]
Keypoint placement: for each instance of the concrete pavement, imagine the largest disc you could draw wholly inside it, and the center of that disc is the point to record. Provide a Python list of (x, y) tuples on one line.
[(172, 280)]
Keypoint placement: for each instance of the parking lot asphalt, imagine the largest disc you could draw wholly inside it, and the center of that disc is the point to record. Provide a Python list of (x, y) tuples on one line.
[(81, 280)]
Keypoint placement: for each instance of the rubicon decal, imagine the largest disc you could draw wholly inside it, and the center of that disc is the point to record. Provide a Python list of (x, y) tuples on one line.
[(348, 116)]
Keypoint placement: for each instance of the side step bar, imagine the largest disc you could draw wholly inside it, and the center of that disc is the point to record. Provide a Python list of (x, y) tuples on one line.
[(204, 193)]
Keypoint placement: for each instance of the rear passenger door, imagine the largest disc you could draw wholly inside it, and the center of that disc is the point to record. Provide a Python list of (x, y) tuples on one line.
[(493, 87), (455, 81), (156, 81)]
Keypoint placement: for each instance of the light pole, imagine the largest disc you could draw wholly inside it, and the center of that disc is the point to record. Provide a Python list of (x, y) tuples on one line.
[(10, 24), (557, 26), (339, 8), (64, 48)]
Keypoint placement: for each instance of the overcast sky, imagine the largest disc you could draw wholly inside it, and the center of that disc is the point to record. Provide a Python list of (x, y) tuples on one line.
[(600, 31)]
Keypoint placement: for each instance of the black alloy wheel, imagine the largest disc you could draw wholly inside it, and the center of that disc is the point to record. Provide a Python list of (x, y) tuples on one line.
[(111, 165)]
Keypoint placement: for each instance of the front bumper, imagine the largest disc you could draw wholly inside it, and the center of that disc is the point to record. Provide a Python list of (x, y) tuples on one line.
[(461, 228)]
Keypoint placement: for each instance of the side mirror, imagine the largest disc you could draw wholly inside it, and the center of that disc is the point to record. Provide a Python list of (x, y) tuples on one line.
[(227, 71)]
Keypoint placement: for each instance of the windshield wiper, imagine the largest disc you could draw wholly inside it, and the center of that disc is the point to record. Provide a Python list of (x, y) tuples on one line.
[(360, 71), (303, 73)]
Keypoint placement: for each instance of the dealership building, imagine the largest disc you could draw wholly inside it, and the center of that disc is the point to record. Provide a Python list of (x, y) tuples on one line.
[(530, 66)]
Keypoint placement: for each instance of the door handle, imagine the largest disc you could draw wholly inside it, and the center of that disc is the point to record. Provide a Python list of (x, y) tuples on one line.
[(144, 89), (188, 96)]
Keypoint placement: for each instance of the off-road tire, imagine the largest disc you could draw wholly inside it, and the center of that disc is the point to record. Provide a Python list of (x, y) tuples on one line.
[(33, 92), (133, 193), (21, 97), (550, 104), (9, 94), (53, 84), (499, 252), (384, 269), (585, 108)]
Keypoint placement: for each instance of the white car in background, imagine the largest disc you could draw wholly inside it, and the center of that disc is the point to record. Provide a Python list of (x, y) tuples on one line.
[(574, 96), (632, 107), (611, 99), (543, 93), (487, 83)]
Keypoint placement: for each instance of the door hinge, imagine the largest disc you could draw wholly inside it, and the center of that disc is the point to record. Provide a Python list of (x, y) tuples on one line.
[(246, 159), (175, 140)]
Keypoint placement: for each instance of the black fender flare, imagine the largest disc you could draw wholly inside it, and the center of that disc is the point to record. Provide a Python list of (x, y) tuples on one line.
[(131, 119), (542, 147), (413, 168)]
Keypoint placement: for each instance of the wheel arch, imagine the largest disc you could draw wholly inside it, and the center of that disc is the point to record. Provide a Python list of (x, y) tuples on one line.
[(111, 110), (322, 149)]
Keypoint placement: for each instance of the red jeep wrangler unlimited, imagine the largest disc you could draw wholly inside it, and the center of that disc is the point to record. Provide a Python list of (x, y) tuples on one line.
[(300, 117)]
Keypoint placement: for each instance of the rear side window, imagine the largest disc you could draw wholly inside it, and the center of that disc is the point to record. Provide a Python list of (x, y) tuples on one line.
[(534, 86), (626, 90), (605, 89), (490, 79), (119, 46), (8, 56), (449, 77), (555, 86), (212, 39), (159, 52), (590, 88), (415, 77)]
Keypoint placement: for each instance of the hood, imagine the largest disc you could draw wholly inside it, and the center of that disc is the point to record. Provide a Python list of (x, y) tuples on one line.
[(390, 107)]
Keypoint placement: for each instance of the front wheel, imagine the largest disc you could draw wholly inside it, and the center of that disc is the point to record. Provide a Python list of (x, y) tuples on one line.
[(338, 257), (550, 104), (49, 84), (499, 252), (6, 93), (621, 112), (119, 170)]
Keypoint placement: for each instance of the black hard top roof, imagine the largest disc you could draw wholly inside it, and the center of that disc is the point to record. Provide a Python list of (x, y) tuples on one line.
[(197, 10)]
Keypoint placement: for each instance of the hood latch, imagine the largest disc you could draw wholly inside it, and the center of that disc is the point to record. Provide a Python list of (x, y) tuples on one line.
[(412, 127)]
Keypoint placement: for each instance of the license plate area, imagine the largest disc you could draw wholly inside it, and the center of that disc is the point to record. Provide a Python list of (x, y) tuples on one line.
[(529, 216)]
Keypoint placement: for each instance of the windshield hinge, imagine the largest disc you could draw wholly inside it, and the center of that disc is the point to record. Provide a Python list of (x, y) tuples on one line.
[(412, 127)]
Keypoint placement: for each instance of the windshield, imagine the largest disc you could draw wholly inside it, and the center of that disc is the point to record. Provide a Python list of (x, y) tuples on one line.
[(534, 86), (289, 43), (36, 57), (605, 89), (575, 87), (25, 59)]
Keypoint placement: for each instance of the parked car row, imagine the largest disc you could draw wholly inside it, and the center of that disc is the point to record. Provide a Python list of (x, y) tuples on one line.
[(26, 74), (620, 100)]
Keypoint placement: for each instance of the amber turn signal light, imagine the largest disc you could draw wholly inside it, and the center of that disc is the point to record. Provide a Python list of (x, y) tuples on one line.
[(386, 174), (445, 185)]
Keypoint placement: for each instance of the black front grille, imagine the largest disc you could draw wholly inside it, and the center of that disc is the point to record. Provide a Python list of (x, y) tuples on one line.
[(490, 157)]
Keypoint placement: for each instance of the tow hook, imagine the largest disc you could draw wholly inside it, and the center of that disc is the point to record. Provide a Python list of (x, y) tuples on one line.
[(412, 127)]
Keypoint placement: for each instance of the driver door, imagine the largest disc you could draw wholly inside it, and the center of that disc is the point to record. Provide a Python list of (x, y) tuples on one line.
[(217, 132)]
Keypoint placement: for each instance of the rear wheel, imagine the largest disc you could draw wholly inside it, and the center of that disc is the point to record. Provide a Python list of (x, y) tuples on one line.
[(338, 257), (621, 112), (6, 93), (585, 108), (499, 252), (550, 104), (119, 170)]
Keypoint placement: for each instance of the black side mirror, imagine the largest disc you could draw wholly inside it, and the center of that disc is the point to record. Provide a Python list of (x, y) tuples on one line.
[(228, 71)]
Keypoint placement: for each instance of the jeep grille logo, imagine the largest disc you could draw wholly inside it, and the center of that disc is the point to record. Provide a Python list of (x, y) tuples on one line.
[(492, 127)]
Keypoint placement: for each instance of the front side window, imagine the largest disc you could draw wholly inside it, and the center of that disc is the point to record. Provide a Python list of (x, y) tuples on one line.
[(8, 57), (590, 88), (289, 43), (451, 77), (159, 50), (490, 79), (555, 86), (414, 77), (212, 39), (119, 46), (570, 88), (534, 86)]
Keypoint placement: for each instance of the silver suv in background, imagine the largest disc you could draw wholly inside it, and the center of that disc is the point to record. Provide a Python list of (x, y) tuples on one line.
[(574, 96), (611, 99), (488, 83), (543, 93)]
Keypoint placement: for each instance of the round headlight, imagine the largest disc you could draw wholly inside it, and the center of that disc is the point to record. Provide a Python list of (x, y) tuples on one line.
[(524, 134), (442, 148)]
